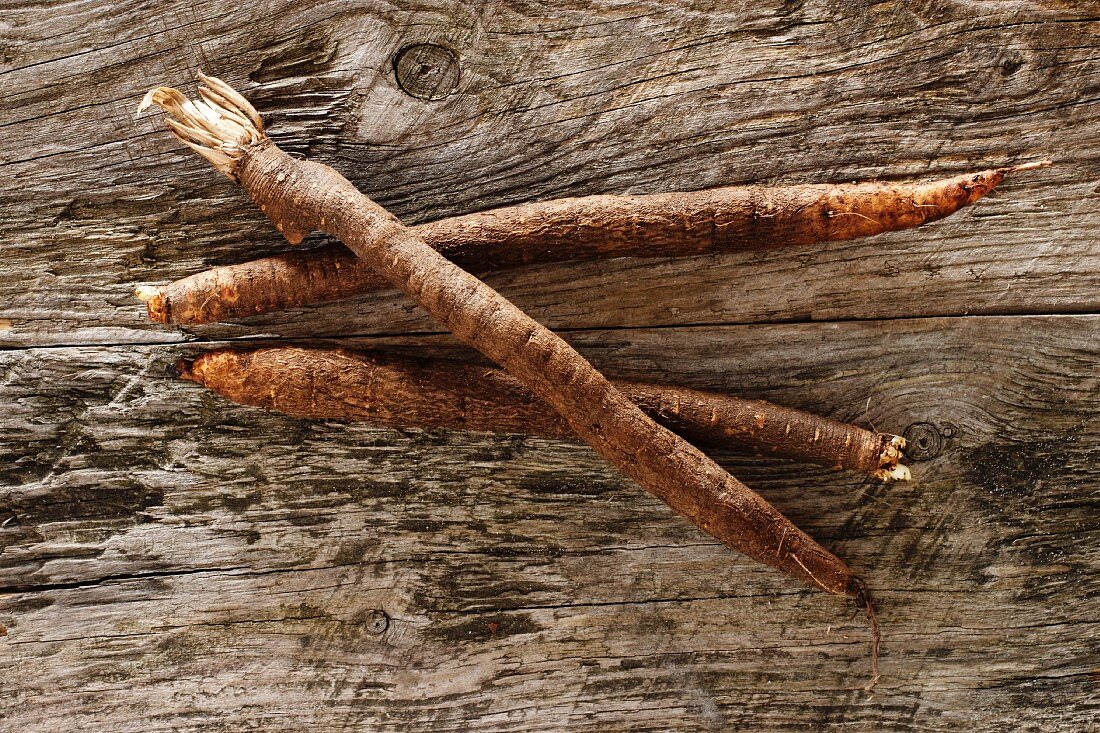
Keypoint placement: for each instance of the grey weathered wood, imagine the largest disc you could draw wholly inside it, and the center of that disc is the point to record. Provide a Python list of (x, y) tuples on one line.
[(551, 103), (172, 562), (169, 549)]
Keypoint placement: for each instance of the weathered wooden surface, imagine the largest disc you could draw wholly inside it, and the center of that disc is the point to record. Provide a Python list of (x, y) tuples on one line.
[(168, 561)]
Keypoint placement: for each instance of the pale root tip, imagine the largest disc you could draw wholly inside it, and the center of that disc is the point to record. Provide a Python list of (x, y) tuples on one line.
[(146, 102), (1035, 165), (890, 466), (145, 293), (158, 96), (897, 473), (156, 302), (218, 125)]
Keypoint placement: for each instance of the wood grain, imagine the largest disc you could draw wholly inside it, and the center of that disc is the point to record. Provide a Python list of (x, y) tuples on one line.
[(171, 562), (551, 103), (166, 545)]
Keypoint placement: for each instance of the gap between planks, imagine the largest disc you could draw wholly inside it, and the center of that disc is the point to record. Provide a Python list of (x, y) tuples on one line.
[(194, 340)]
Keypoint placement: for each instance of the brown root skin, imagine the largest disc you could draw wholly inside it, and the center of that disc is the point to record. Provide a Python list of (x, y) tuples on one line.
[(301, 195), (403, 392), (593, 227)]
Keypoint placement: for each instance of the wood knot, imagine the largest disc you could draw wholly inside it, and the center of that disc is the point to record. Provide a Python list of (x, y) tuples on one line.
[(923, 441), (1011, 65), (426, 70), (377, 622)]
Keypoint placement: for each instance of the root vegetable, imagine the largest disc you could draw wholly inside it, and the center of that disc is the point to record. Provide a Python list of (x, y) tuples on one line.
[(300, 196), (593, 227), (405, 392)]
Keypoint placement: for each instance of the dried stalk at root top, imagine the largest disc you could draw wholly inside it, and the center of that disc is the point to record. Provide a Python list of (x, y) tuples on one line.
[(405, 392), (593, 227), (300, 196)]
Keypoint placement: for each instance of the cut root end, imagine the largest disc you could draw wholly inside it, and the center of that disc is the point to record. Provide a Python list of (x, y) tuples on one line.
[(145, 293), (897, 473), (890, 465), (182, 368), (156, 302), (217, 127)]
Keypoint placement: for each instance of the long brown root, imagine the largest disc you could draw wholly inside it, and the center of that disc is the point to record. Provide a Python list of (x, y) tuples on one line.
[(404, 392), (593, 227)]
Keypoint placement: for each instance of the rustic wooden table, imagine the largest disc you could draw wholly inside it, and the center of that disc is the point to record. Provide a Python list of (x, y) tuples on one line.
[(169, 561)]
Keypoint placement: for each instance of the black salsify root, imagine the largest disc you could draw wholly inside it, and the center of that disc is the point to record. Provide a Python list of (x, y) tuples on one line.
[(223, 123), (858, 591)]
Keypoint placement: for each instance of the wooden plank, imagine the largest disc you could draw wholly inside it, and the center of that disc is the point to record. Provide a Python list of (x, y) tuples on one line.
[(589, 97), (172, 562), (168, 561)]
